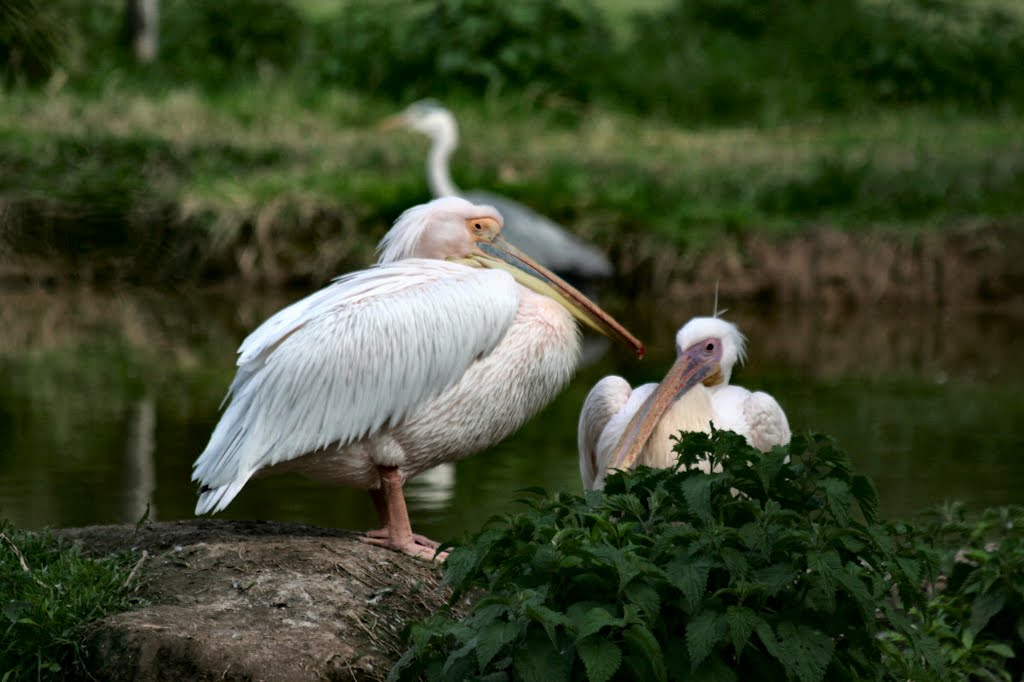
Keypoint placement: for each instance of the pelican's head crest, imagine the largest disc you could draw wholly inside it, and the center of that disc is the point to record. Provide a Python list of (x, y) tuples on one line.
[(447, 227), (734, 344)]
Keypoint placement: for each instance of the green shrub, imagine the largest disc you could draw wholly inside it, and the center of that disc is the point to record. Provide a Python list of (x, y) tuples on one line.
[(48, 592), (976, 608), (436, 47), (30, 39), (210, 42), (769, 570), (709, 60)]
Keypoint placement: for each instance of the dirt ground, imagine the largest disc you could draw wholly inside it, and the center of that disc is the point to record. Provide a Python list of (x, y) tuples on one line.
[(232, 600)]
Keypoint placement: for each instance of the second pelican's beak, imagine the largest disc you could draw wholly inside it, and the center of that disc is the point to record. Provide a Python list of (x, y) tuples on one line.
[(498, 253), (697, 364)]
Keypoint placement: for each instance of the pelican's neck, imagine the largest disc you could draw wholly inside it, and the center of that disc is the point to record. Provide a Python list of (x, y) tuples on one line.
[(443, 142)]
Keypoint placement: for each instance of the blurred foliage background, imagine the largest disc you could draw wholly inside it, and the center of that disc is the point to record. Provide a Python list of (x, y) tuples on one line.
[(691, 61), (250, 136)]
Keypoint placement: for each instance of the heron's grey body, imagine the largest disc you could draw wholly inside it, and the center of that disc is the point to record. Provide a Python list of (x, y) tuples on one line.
[(550, 244)]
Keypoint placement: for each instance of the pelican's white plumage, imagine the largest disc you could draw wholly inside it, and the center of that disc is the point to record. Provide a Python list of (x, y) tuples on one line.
[(356, 336), (614, 413), (392, 370), (755, 415)]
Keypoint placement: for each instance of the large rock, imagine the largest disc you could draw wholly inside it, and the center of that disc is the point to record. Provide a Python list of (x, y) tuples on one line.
[(256, 601)]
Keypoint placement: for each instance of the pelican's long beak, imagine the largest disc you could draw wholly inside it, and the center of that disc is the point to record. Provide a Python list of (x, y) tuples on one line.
[(498, 253), (697, 364)]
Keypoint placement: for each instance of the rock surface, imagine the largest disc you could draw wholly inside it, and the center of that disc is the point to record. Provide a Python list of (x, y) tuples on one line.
[(232, 600)]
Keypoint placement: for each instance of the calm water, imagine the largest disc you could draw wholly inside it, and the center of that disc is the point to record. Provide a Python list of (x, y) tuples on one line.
[(106, 400)]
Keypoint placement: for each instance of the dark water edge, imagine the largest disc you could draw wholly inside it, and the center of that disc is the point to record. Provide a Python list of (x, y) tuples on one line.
[(107, 398)]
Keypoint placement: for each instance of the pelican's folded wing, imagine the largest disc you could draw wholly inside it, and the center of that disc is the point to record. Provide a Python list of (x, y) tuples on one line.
[(344, 362), (603, 402), (768, 424)]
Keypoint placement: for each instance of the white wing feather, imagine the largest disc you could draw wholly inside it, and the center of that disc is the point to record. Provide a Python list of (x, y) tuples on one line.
[(349, 359), (756, 416), (768, 424), (602, 403)]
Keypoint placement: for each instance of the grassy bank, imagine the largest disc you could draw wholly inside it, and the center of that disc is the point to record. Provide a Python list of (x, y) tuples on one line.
[(244, 155), (249, 144), (49, 591)]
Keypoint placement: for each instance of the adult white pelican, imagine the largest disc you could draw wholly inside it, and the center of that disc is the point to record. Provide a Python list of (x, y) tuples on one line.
[(756, 415), (549, 243), (444, 348), (620, 427)]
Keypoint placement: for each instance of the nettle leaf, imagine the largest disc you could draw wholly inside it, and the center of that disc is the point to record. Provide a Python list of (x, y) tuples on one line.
[(493, 639), (703, 633), (638, 638), (627, 503), (601, 657), (1000, 649), (753, 535), (806, 652), (645, 597), (767, 637), (590, 621), (984, 607), (825, 565), (856, 588), (712, 670), (697, 492), (626, 564), (864, 492), (838, 498), (776, 577), (769, 465), (690, 576), (548, 618), (735, 562), (741, 621), (461, 562), (911, 569), (537, 661)]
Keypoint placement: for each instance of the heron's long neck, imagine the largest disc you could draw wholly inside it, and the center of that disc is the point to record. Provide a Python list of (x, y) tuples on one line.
[(438, 176)]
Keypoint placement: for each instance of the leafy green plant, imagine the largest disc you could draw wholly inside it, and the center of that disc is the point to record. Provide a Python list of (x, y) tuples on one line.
[(48, 591), (774, 568), (976, 606)]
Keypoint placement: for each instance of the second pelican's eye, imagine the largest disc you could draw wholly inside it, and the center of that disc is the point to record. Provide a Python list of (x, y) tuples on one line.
[(477, 226)]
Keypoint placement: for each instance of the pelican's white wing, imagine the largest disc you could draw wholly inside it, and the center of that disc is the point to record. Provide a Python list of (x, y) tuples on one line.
[(768, 424), (756, 416), (603, 402), (344, 362)]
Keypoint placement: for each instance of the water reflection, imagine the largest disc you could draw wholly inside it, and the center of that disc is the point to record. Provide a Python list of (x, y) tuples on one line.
[(105, 401)]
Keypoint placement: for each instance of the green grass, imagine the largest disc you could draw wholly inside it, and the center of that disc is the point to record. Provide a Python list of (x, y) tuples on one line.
[(48, 592), (260, 130), (231, 155)]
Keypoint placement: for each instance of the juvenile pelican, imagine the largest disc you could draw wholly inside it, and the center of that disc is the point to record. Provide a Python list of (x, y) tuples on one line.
[(444, 348), (550, 244), (756, 416), (620, 427)]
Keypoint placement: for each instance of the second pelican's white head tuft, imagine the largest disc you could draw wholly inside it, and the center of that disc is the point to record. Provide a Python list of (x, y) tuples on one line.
[(734, 344)]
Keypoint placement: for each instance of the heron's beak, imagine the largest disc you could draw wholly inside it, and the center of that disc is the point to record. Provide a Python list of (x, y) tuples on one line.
[(391, 122), (498, 253), (697, 364)]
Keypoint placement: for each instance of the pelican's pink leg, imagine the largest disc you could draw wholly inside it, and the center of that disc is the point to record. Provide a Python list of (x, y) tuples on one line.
[(396, 532)]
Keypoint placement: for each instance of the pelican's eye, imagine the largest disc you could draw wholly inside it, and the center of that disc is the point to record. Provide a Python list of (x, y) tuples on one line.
[(483, 229), (710, 348)]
